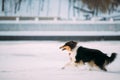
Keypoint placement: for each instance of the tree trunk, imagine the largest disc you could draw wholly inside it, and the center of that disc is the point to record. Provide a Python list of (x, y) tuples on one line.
[(19, 4), (3, 3), (69, 8)]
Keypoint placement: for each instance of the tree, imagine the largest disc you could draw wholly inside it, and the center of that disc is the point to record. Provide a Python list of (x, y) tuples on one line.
[(41, 6), (83, 10), (3, 3), (69, 7), (114, 5), (17, 5), (98, 5)]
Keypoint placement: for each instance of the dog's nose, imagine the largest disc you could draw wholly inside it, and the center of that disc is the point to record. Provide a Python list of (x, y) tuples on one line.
[(60, 47), (63, 49)]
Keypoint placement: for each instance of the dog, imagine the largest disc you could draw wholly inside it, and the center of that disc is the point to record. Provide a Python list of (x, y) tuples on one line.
[(80, 55)]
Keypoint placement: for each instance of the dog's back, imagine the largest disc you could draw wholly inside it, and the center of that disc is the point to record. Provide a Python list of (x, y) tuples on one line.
[(87, 54), (99, 58)]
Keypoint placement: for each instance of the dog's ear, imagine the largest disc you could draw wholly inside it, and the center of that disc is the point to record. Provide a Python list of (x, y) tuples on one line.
[(74, 42)]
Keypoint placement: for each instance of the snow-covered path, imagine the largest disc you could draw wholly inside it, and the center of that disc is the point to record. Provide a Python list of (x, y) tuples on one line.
[(42, 60)]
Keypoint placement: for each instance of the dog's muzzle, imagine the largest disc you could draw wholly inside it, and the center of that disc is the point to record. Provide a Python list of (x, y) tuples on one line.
[(62, 47), (65, 48)]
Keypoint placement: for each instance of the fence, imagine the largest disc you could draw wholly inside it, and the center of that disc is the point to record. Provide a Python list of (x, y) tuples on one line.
[(52, 28)]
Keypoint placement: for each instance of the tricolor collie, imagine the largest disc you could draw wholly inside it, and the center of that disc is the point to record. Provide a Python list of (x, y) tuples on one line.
[(80, 55)]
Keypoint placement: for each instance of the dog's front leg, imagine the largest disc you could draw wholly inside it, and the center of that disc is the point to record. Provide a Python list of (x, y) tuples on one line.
[(67, 64)]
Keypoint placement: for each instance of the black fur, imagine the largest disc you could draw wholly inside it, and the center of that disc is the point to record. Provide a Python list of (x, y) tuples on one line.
[(112, 57), (71, 44), (99, 58)]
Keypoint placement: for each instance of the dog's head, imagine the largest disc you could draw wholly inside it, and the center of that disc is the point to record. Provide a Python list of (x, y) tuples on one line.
[(69, 46)]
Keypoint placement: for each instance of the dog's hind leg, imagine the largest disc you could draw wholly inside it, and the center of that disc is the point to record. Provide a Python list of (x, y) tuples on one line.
[(103, 68), (79, 64), (91, 64)]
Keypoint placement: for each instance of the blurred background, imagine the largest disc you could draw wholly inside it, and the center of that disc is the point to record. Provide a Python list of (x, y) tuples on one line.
[(59, 19)]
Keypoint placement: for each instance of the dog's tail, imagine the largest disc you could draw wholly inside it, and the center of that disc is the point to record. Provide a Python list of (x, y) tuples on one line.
[(111, 58)]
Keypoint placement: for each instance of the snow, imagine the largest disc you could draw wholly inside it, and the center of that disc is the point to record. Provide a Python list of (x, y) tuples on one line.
[(42, 60)]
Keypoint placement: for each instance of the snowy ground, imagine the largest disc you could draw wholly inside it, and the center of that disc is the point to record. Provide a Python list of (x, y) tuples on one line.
[(42, 60)]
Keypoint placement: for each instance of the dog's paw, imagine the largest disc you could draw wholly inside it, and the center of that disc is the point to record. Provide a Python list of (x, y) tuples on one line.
[(63, 68)]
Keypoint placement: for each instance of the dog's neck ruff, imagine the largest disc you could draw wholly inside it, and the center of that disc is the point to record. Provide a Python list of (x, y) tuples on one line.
[(73, 53)]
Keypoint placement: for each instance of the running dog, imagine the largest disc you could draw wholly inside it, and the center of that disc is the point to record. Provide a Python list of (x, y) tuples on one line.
[(80, 55)]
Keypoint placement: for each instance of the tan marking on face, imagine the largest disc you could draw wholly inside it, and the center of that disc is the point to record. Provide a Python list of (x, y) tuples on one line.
[(66, 48)]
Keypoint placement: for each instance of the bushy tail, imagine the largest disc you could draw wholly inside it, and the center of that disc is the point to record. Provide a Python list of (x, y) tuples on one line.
[(111, 58)]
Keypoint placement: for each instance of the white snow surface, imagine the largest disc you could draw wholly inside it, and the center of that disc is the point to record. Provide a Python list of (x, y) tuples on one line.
[(42, 60)]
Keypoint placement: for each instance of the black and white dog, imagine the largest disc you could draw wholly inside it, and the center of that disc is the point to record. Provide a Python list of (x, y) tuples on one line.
[(80, 55)]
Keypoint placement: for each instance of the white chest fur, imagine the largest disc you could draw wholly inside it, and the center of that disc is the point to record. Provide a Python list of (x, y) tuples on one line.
[(73, 53)]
